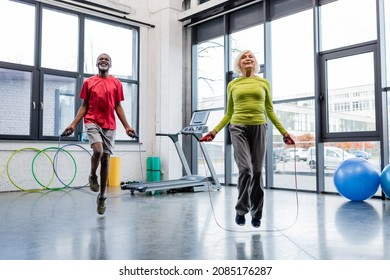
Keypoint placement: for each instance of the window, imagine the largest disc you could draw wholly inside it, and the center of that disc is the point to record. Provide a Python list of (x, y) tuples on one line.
[(210, 74), (130, 106), (387, 38), (21, 17), (59, 40), (211, 95), (298, 118), (117, 41), (292, 56), (15, 92), (347, 22), (58, 104), (120, 43), (248, 39), (351, 80), (252, 39), (40, 83), (323, 60)]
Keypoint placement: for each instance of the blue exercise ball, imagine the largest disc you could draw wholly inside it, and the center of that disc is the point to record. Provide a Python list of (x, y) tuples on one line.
[(385, 180), (356, 179)]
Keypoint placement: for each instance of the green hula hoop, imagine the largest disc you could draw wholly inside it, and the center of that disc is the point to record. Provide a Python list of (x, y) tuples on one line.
[(13, 182), (76, 145), (55, 170)]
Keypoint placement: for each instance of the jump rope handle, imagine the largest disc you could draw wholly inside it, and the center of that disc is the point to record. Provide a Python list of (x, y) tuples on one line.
[(288, 140), (206, 138), (65, 133)]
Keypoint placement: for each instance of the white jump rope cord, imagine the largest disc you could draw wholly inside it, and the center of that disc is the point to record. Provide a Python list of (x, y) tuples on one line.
[(261, 230), (140, 164), (212, 204)]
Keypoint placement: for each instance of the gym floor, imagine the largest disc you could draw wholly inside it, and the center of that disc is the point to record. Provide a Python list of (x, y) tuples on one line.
[(64, 225)]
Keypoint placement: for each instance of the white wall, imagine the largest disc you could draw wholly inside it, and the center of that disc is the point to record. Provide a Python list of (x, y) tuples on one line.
[(161, 97), (161, 82)]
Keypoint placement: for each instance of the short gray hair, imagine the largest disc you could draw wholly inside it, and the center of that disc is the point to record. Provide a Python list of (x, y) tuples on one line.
[(97, 59), (236, 64)]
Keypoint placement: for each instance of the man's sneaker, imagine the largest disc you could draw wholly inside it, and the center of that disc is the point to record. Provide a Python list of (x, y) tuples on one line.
[(101, 204), (240, 220), (93, 183)]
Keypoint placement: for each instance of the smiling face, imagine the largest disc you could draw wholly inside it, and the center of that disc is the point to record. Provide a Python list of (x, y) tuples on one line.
[(103, 62), (247, 62)]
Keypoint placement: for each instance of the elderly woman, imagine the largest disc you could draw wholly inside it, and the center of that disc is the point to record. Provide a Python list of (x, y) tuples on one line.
[(249, 103)]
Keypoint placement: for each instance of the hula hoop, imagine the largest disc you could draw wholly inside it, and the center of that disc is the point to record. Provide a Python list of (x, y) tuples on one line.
[(67, 145), (12, 181), (55, 170)]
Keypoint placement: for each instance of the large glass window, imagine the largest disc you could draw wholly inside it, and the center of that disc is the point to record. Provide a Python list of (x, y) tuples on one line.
[(336, 152), (387, 38), (351, 93), (59, 40), (211, 95), (45, 77), (130, 106), (215, 149), (298, 117), (58, 104), (292, 56), (249, 39), (321, 58), (17, 32), (347, 22), (210, 74), (292, 75), (117, 41), (15, 93)]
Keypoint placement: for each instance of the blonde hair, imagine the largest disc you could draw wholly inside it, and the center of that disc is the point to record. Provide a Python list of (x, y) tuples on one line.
[(236, 64)]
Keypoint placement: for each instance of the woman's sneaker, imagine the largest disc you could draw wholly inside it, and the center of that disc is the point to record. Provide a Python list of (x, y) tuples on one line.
[(240, 220), (101, 204), (256, 222), (93, 183)]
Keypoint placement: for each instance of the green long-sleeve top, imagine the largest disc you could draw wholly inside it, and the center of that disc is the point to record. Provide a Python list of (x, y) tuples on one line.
[(249, 103)]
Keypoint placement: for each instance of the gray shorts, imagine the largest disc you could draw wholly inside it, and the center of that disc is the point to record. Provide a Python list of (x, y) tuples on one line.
[(97, 134)]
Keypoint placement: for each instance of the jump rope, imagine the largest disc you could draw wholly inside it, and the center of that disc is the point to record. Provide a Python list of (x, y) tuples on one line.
[(288, 141)]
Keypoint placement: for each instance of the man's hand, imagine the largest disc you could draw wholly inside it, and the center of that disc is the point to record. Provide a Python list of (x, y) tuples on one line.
[(68, 131), (131, 132)]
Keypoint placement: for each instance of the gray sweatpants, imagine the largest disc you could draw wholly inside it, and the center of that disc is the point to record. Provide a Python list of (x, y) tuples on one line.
[(249, 143)]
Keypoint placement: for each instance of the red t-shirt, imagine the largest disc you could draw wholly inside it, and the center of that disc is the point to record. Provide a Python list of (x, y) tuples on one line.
[(102, 95)]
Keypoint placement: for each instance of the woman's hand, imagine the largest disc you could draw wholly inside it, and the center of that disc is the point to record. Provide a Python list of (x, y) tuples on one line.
[(209, 136), (287, 139)]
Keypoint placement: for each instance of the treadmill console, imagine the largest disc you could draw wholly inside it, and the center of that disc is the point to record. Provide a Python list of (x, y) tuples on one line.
[(195, 129), (197, 124)]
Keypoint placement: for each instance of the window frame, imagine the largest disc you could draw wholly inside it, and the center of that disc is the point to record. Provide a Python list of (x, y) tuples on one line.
[(38, 72), (282, 8)]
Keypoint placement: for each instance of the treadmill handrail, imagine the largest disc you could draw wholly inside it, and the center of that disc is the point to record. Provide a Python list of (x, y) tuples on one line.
[(174, 136), (208, 160)]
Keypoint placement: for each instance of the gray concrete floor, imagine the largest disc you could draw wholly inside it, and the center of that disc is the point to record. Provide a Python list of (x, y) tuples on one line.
[(64, 225)]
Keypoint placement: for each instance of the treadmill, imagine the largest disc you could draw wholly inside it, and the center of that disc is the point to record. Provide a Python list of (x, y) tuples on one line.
[(189, 181)]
